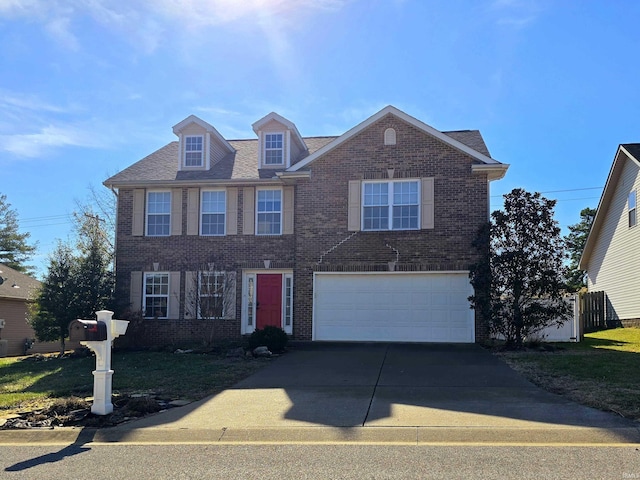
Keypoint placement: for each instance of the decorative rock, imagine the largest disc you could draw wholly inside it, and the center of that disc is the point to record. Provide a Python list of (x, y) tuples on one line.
[(261, 352), (236, 353), (183, 351)]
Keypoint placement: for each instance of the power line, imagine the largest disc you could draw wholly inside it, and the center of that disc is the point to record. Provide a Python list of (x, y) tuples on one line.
[(561, 191)]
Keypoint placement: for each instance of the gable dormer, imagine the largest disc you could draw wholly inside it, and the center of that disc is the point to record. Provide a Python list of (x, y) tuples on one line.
[(200, 144), (280, 144)]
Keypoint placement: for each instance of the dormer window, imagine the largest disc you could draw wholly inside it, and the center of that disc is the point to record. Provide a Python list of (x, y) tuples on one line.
[(193, 151), (273, 149)]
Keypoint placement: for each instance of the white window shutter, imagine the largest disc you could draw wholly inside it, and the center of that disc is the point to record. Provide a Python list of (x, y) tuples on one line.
[(174, 295), (232, 211), (137, 223), (287, 210), (248, 211), (176, 211), (135, 292), (353, 221), (427, 200), (193, 211)]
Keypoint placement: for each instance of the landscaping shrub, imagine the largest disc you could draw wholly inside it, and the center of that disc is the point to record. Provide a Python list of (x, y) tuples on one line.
[(274, 338)]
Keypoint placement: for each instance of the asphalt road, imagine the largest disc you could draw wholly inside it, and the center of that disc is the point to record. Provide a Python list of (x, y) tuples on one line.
[(318, 462)]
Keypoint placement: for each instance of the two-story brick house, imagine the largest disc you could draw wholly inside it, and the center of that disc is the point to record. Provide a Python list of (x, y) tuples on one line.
[(361, 237)]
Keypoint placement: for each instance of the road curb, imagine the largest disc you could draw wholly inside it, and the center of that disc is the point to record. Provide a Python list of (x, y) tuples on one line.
[(560, 436)]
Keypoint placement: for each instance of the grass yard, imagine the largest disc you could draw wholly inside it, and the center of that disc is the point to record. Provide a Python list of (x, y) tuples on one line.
[(25, 382), (602, 372)]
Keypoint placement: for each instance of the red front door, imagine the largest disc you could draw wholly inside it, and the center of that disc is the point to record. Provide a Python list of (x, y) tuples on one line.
[(269, 296)]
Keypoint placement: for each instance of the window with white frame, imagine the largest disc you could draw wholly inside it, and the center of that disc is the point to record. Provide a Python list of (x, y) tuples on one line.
[(158, 213), (269, 212), (288, 301), (392, 205), (211, 299), (156, 295), (213, 212), (193, 151), (631, 205), (273, 149)]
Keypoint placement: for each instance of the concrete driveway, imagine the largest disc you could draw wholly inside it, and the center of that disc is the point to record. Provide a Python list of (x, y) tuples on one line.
[(444, 391)]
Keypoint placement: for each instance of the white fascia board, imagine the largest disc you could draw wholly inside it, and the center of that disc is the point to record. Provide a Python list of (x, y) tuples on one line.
[(403, 116), (207, 126), (494, 172), (196, 182), (280, 119), (603, 205)]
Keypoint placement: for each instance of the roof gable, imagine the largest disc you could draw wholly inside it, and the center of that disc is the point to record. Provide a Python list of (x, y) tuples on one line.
[(391, 110), (273, 116), (192, 119), (630, 152)]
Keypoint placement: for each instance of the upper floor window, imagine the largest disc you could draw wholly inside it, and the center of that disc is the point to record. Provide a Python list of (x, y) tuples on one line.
[(269, 213), (392, 205), (273, 149), (156, 295), (631, 204), (193, 151), (213, 213), (158, 213)]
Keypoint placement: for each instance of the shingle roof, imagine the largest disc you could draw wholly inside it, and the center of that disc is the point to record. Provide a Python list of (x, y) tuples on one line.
[(633, 149), (162, 165), (16, 284)]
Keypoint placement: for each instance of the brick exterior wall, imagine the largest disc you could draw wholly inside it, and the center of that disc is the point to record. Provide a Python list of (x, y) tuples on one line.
[(320, 225)]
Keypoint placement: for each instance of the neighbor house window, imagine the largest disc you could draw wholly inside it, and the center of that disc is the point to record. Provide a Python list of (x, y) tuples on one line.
[(269, 212), (211, 294), (158, 213), (156, 295), (390, 205), (213, 213), (193, 151), (632, 208), (273, 149)]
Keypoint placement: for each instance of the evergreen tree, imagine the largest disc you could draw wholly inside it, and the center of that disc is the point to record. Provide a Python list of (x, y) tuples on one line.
[(14, 247), (78, 283), (519, 280), (57, 302), (575, 242)]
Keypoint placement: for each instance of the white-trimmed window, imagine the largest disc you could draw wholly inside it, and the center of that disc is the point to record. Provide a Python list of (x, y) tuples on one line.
[(631, 205), (211, 299), (193, 150), (392, 205), (269, 212), (273, 149), (213, 212), (158, 214), (156, 295)]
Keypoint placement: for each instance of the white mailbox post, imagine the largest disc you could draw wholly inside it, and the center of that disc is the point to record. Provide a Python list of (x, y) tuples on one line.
[(102, 375)]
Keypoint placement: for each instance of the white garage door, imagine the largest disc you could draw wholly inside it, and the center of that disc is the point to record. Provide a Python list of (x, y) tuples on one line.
[(393, 307)]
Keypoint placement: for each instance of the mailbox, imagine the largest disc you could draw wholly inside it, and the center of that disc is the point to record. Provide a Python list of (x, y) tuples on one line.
[(87, 331)]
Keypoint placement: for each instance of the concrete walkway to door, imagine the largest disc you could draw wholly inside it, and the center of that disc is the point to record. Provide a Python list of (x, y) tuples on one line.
[(419, 392)]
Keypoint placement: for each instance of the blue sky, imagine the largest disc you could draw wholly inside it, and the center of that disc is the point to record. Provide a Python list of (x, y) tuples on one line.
[(88, 87)]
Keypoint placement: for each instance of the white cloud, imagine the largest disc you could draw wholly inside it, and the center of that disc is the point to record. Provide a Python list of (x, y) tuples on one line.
[(516, 13), (37, 144)]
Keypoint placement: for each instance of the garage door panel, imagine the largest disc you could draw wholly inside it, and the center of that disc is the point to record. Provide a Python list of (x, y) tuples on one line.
[(405, 307)]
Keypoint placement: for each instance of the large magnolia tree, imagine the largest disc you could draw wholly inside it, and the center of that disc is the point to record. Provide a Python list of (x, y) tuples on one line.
[(518, 282)]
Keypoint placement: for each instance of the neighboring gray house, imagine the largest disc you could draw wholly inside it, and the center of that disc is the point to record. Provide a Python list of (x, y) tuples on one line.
[(611, 255)]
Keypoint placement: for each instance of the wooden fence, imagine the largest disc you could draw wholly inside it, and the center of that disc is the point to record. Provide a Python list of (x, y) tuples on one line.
[(593, 311)]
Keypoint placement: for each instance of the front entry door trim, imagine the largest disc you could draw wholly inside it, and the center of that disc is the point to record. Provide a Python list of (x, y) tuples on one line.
[(250, 295)]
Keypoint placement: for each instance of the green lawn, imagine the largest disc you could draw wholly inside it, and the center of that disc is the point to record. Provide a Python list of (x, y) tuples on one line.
[(603, 371), (24, 382)]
